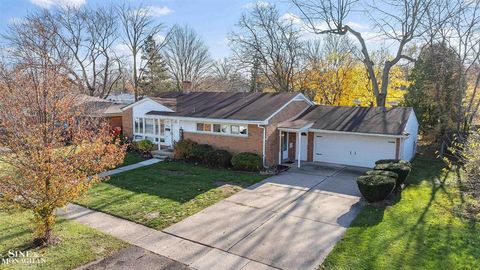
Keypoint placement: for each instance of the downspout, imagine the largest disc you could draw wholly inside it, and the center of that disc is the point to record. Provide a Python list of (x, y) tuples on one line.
[(263, 144)]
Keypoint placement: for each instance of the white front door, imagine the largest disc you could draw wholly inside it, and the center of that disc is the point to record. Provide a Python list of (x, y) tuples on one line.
[(355, 150), (167, 133), (303, 146)]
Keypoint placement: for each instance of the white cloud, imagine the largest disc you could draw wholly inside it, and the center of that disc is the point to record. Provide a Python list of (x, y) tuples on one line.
[(157, 11), (254, 4), (291, 17), (59, 3)]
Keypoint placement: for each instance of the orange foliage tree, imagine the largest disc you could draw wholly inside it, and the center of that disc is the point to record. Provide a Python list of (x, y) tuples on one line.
[(54, 151)]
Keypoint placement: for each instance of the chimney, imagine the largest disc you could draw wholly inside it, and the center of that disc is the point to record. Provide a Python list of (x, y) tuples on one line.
[(186, 87)]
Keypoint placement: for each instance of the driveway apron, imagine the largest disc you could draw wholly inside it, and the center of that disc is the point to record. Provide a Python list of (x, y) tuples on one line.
[(288, 221)]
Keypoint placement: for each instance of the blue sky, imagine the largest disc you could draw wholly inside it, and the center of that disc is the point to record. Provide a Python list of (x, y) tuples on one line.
[(212, 19)]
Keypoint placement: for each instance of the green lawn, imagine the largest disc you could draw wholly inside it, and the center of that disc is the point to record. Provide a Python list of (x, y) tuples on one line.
[(420, 231), (79, 244), (131, 158), (165, 193)]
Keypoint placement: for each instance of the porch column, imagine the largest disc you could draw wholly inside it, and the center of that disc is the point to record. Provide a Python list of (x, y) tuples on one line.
[(280, 150), (299, 151)]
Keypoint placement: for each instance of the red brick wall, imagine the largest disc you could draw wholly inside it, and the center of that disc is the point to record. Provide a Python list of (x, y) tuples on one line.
[(311, 137), (272, 145), (115, 121), (127, 122), (234, 144)]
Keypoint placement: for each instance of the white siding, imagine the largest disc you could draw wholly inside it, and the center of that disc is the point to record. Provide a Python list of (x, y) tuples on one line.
[(352, 149), (146, 106), (409, 145)]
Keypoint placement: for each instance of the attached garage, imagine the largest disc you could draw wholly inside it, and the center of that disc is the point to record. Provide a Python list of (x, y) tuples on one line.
[(355, 136), (354, 150)]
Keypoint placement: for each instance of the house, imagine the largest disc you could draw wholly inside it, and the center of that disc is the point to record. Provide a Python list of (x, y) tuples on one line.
[(280, 127), (98, 107)]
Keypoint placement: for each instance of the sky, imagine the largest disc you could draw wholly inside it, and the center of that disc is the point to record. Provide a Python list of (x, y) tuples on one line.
[(212, 19)]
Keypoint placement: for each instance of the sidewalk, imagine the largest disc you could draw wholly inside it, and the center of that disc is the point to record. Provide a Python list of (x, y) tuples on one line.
[(193, 254), (130, 167)]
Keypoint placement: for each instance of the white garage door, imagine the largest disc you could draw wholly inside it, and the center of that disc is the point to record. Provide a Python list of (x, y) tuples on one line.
[(355, 150)]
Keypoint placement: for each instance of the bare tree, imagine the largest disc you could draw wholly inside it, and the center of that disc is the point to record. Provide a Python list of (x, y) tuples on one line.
[(137, 25), (270, 43), (187, 56), (398, 20), (90, 36), (226, 75)]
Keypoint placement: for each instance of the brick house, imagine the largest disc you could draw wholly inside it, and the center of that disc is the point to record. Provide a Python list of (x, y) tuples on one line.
[(280, 127)]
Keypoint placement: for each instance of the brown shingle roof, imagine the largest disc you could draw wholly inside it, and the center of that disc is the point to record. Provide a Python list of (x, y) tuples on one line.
[(225, 105), (376, 120)]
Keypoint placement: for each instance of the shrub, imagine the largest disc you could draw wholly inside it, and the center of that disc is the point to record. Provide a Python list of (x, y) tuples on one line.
[(219, 158), (247, 162), (384, 173), (183, 150), (401, 169), (375, 187), (200, 152), (144, 147), (387, 161)]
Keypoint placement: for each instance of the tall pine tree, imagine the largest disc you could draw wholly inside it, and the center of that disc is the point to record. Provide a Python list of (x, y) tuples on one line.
[(154, 78)]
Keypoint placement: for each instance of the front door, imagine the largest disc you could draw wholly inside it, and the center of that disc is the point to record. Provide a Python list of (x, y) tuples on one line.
[(284, 145), (166, 132)]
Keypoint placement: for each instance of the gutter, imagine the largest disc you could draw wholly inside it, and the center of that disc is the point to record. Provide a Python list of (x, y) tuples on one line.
[(263, 144)]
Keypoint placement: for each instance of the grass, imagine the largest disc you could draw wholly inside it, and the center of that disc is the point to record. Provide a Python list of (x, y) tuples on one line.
[(131, 158), (420, 231), (165, 193), (79, 244)]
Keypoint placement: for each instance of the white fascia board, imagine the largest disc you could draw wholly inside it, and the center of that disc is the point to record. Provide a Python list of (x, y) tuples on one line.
[(298, 97), (143, 100), (208, 120), (135, 104), (357, 133)]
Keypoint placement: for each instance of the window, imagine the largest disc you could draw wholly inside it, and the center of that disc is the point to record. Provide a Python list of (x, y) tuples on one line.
[(235, 129), (138, 125), (217, 128), (149, 126), (243, 130), (207, 127), (199, 126), (224, 128)]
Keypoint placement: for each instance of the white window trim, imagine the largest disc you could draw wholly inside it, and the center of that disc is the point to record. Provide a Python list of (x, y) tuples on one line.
[(228, 133)]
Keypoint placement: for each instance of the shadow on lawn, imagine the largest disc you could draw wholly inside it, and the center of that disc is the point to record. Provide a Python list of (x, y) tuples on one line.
[(178, 181), (421, 232), (422, 172)]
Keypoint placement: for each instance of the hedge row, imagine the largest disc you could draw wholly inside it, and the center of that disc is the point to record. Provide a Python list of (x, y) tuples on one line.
[(189, 150), (387, 175)]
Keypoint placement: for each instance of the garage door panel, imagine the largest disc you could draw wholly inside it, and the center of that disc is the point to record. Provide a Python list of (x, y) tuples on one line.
[(355, 150)]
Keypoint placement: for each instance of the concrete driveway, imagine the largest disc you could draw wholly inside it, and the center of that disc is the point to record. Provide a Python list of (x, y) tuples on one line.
[(288, 221)]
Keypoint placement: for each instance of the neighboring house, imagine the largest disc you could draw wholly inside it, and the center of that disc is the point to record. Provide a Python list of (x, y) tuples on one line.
[(280, 127), (98, 107)]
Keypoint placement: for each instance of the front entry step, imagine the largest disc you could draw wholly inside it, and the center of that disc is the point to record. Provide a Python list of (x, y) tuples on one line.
[(163, 153)]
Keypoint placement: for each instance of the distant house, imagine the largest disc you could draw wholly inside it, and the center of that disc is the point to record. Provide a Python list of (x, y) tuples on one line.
[(280, 127), (98, 107)]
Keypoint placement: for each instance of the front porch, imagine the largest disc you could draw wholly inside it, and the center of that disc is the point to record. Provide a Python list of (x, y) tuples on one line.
[(296, 148)]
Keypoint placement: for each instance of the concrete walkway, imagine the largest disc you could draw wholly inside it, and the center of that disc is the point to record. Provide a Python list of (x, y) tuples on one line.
[(130, 167), (288, 221)]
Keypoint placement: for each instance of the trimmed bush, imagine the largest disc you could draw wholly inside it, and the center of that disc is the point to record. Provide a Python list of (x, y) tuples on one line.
[(384, 173), (401, 169), (375, 187), (200, 152), (183, 150), (386, 161), (144, 147), (219, 158), (247, 162)]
